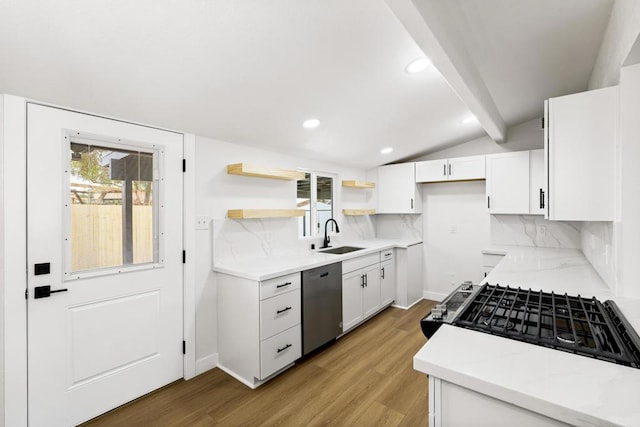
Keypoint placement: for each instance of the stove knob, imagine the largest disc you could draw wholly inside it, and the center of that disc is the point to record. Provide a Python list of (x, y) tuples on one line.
[(442, 307), (467, 285), (437, 314)]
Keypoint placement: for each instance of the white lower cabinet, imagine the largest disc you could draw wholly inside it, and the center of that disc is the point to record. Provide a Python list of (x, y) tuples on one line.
[(259, 326), (387, 282), (360, 295), (368, 286), (446, 399)]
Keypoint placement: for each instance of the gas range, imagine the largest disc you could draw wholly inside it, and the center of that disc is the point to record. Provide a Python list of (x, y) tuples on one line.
[(583, 326)]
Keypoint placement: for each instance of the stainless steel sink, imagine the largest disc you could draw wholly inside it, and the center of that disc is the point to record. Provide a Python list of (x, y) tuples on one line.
[(341, 250)]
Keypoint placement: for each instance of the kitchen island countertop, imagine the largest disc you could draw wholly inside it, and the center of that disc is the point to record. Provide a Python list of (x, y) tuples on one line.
[(574, 389)]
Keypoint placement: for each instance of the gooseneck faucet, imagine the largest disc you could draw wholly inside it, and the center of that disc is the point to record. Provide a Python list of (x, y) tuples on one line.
[(325, 244)]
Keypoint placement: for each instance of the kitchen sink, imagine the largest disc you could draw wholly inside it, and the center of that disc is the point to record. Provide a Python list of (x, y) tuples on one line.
[(341, 250)]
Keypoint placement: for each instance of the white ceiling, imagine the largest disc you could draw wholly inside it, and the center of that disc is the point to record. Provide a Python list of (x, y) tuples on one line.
[(250, 71)]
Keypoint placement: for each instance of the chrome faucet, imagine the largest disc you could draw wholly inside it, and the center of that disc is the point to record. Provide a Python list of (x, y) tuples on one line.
[(327, 239)]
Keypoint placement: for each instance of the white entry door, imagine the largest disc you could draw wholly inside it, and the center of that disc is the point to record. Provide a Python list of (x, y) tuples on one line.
[(105, 280)]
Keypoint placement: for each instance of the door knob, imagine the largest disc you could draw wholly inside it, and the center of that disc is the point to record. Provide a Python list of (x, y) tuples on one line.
[(45, 291)]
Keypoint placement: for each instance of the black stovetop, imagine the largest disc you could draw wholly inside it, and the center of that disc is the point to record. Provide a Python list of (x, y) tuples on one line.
[(570, 323)]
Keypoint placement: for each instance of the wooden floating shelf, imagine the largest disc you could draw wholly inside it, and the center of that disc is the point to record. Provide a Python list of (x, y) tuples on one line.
[(358, 184), (352, 212), (261, 172), (263, 213)]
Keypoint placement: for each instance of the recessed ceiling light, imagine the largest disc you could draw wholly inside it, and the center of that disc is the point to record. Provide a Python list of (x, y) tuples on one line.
[(470, 119), (311, 123), (386, 150), (418, 65)]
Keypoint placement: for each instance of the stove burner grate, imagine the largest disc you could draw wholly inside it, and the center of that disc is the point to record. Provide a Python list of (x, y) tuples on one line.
[(570, 323)]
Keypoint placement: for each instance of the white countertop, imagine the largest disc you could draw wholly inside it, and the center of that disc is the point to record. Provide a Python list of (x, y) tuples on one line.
[(574, 389), (269, 267)]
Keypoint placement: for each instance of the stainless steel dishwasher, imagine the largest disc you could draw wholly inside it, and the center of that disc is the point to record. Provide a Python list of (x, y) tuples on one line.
[(321, 306)]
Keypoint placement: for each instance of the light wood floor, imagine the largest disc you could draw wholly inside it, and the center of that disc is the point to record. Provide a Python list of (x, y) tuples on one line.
[(365, 378)]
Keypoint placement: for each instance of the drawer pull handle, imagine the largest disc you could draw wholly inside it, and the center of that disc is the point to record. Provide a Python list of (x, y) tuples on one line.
[(283, 285), (284, 348), (283, 310)]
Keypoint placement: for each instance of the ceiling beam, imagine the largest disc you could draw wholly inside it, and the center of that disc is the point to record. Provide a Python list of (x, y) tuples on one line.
[(426, 21)]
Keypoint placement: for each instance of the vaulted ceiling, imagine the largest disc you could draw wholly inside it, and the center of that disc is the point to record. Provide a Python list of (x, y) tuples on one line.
[(251, 71)]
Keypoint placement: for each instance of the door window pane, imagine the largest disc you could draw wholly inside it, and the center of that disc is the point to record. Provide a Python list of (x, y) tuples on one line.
[(112, 209)]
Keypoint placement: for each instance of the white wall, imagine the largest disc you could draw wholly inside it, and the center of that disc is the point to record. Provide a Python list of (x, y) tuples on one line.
[(2, 300), (525, 136), (628, 229), (456, 228), (602, 243), (216, 192), (622, 31)]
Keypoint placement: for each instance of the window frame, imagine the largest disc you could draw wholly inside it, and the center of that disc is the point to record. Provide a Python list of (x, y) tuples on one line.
[(316, 231), (157, 151)]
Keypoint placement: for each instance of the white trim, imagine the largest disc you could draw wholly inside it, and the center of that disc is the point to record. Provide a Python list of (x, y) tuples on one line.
[(189, 245), (14, 278), (206, 363), (239, 378), (433, 296), (410, 305)]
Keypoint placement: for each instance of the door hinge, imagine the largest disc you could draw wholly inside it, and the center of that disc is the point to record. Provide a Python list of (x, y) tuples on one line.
[(26, 294), (184, 165), (184, 257), (184, 347)]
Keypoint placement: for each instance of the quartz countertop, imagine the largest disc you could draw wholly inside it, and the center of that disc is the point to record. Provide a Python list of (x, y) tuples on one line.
[(574, 389), (273, 266)]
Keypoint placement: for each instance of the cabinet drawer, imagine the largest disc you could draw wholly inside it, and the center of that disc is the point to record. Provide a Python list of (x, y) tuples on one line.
[(360, 262), (386, 255), (279, 285), (279, 351), (491, 260), (279, 313)]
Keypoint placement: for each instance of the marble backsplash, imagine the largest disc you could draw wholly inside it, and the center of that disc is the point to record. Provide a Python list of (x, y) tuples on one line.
[(597, 246), (531, 230), (398, 226), (260, 238)]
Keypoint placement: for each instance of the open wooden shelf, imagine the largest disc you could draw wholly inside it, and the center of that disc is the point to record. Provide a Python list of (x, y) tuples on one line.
[(261, 172), (352, 212), (263, 213), (358, 184)]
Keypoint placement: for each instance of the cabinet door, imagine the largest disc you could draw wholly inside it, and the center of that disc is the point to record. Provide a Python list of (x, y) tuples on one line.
[(581, 138), (352, 287), (397, 189), (371, 293), (431, 171), (387, 282), (466, 168), (508, 183), (537, 185)]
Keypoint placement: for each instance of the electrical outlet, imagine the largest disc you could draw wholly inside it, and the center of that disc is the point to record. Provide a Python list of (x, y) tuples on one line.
[(454, 229), (202, 222), (542, 230)]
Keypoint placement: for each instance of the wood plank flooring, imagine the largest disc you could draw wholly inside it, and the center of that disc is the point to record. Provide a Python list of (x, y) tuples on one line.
[(365, 378)]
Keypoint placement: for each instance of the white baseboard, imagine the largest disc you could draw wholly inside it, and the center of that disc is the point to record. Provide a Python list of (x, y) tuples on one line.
[(206, 363), (433, 296)]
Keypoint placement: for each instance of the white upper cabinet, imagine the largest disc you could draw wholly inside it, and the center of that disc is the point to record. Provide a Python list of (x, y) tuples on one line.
[(397, 189), (508, 183), (580, 139), (456, 169), (537, 183)]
